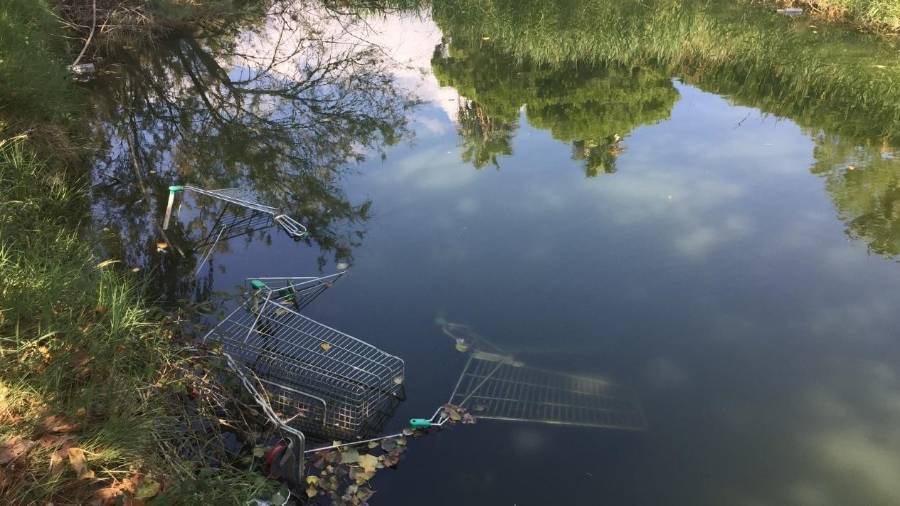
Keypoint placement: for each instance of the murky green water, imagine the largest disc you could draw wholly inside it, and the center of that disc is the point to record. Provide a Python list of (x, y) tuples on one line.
[(698, 200)]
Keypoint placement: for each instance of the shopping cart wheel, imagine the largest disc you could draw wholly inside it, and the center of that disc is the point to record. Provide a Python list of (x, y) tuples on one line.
[(286, 460)]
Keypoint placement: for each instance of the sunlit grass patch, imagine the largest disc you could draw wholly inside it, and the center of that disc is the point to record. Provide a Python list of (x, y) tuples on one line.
[(879, 15)]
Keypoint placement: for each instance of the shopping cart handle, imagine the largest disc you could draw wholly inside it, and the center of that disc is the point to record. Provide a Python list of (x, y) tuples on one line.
[(420, 423), (176, 188)]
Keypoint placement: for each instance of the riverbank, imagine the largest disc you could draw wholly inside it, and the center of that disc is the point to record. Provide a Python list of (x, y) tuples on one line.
[(98, 396), (879, 16), (837, 77)]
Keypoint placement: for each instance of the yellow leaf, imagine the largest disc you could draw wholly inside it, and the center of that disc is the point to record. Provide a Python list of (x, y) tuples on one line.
[(56, 463), (312, 480), (325, 346), (147, 490), (76, 460), (369, 463)]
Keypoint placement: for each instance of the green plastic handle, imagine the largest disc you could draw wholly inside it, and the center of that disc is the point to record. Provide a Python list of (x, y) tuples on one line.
[(176, 188), (419, 423), (257, 284)]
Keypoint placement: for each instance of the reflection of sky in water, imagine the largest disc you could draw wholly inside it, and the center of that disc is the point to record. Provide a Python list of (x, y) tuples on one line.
[(710, 272)]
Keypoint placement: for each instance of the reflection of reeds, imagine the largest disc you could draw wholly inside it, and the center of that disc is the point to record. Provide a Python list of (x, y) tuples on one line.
[(826, 77)]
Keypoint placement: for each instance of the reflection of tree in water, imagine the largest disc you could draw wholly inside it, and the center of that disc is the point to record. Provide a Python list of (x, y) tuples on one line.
[(484, 137), (591, 106), (278, 103), (599, 157), (864, 183)]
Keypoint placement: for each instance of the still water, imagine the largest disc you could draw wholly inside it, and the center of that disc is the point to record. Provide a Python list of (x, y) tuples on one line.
[(727, 250)]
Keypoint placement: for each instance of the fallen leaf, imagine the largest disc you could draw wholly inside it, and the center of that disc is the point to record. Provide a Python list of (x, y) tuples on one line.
[(13, 448), (325, 346), (369, 463), (350, 456), (360, 475), (107, 263), (107, 495), (58, 424), (56, 462), (148, 489), (53, 440), (311, 492), (76, 460)]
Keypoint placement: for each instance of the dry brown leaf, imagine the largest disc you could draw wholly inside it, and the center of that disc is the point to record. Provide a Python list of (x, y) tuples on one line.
[(13, 448), (53, 440), (57, 462), (76, 460), (108, 496), (58, 424)]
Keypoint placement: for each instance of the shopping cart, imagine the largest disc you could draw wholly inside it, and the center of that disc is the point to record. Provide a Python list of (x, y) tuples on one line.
[(494, 385), (318, 380)]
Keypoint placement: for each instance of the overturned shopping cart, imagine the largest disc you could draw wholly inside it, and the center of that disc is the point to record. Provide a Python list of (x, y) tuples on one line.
[(495, 385), (315, 379)]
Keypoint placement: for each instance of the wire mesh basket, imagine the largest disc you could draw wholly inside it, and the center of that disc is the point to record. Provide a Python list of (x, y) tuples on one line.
[(319, 380), (499, 387)]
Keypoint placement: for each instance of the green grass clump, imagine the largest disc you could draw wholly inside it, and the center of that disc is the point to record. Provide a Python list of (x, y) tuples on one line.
[(87, 366), (34, 82), (76, 348)]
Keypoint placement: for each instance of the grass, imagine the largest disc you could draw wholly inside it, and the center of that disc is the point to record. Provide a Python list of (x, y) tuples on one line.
[(33, 58), (87, 367), (99, 402), (76, 350)]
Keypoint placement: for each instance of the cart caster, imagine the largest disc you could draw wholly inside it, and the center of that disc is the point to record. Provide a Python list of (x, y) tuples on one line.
[(286, 460)]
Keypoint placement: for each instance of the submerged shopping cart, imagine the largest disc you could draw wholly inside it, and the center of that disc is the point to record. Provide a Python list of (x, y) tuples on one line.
[(494, 385), (240, 214), (316, 379)]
